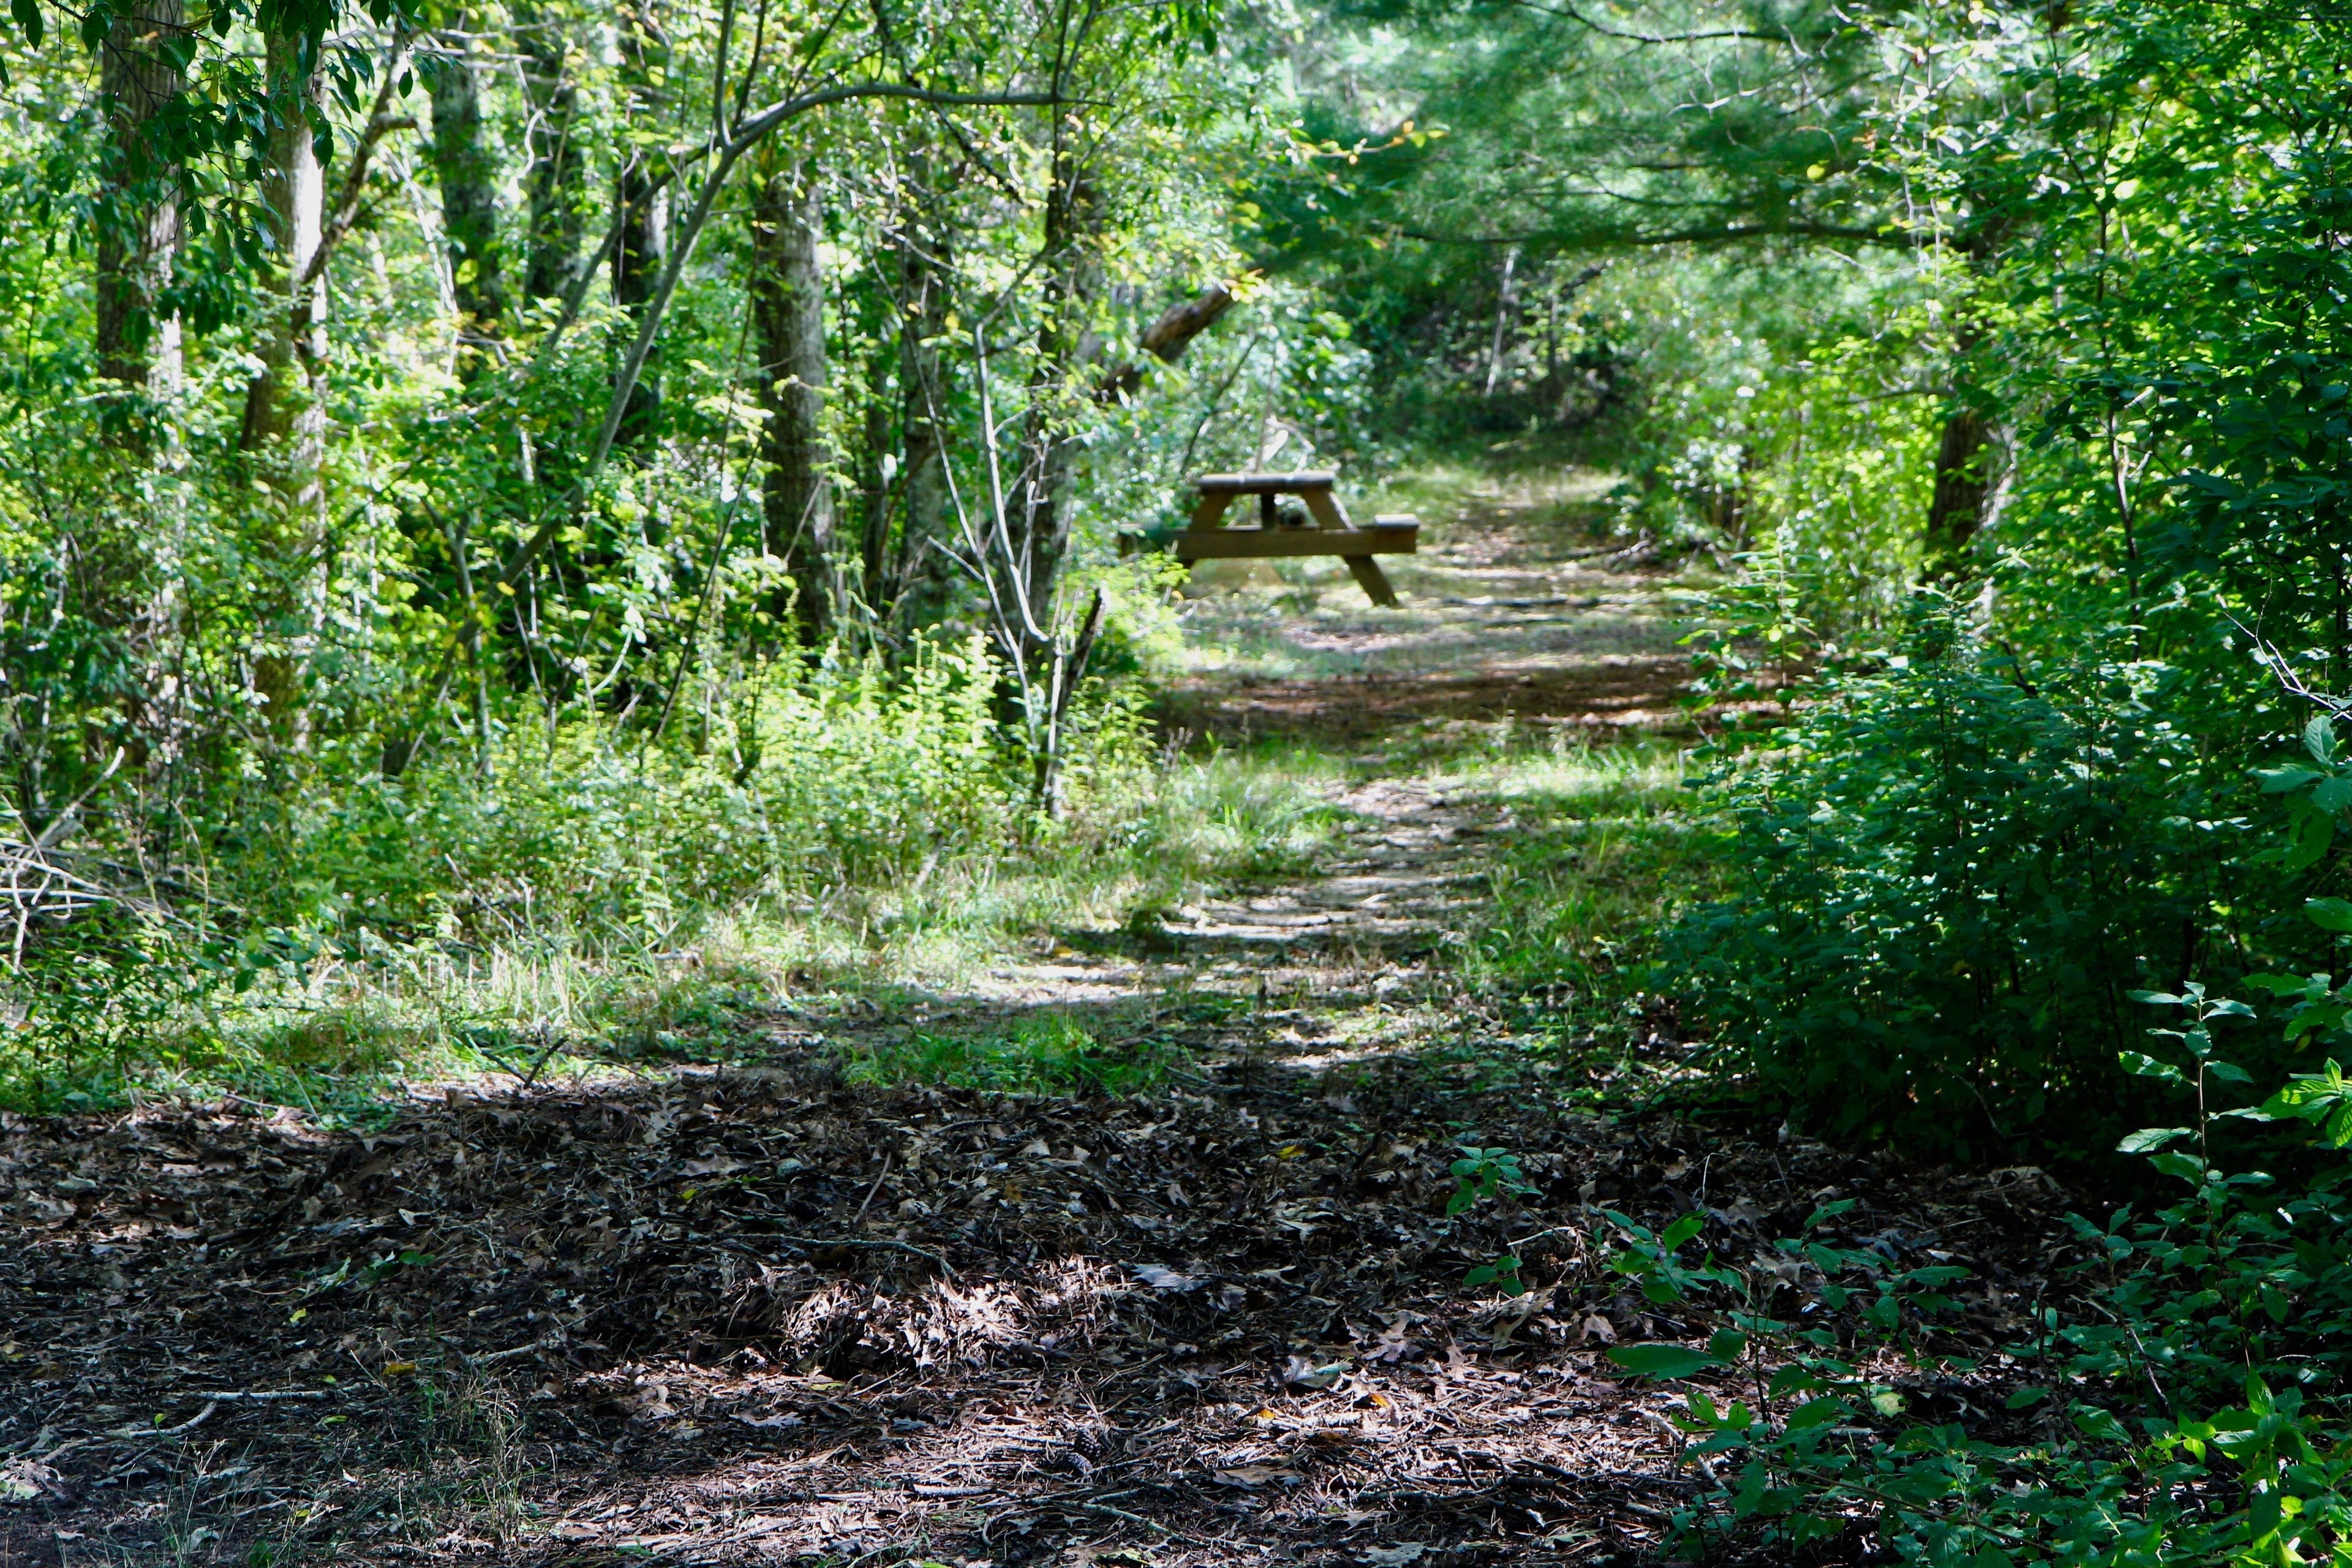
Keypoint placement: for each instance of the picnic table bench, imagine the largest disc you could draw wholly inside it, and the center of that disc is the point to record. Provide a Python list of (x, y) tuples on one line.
[(1325, 532)]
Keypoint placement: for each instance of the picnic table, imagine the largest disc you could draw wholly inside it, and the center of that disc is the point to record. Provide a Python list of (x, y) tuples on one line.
[(1324, 531)]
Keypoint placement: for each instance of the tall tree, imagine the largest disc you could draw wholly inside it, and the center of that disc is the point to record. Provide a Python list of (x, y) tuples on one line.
[(787, 304), (139, 211), (467, 168), (642, 200), (555, 180), (921, 260), (292, 337), (1066, 347), (285, 418)]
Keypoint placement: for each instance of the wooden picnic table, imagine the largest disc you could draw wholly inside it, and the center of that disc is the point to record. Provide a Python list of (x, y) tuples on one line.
[(1327, 531)]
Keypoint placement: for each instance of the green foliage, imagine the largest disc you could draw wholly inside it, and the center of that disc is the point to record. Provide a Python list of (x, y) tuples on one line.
[(2208, 1424), (1949, 877), (1481, 1173), (1042, 1052)]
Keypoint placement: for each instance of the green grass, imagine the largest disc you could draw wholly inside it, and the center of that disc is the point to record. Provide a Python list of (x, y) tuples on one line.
[(1047, 1053), (339, 1034)]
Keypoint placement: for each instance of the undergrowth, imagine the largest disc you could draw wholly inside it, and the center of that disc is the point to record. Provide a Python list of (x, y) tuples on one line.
[(569, 901)]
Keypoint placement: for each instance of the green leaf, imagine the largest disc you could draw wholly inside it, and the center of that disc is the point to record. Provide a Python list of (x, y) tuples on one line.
[(2148, 1140), (2282, 781), (1816, 1413), (28, 14), (1663, 1360), (2023, 1398), (1728, 1344), (1681, 1230), (2286, 984), (2312, 835), (2330, 914), (2139, 1063)]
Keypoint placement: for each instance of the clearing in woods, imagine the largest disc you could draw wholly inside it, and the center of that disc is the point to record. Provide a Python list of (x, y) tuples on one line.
[(765, 1311)]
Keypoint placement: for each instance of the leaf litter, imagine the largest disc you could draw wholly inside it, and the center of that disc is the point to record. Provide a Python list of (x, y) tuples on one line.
[(754, 1316)]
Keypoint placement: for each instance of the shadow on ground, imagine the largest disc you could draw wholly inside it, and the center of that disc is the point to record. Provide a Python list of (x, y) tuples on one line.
[(759, 1315)]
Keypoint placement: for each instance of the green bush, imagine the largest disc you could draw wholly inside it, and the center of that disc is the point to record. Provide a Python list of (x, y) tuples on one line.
[(846, 777), (1951, 872)]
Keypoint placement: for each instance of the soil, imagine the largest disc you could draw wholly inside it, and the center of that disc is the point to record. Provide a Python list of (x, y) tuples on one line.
[(756, 1313)]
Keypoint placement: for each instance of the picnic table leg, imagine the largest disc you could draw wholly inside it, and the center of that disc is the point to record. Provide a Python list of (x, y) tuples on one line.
[(1326, 508), (1211, 509), (1373, 580)]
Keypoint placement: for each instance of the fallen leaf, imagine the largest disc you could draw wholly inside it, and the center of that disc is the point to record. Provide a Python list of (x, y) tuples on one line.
[(1597, 1327), (1299, 1371), (1395, 1556), (1251, 1476), (22, 1480), (1161, 1278)]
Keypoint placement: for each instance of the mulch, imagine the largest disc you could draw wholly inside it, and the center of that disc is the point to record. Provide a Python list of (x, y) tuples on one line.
[(750, 1315)]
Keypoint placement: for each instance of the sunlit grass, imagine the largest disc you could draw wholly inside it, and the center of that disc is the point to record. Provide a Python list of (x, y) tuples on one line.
[(1604, 842), (1049, 1053), (336, 1036)]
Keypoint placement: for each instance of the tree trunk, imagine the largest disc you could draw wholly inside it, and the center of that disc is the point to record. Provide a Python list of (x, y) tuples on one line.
[(139, 219), (1966, 458), (293, 196), (469, 204), (1506, 306), (1963, 479), (644, 211), (1064, 343), (555, 182), (285, 417), (925, 578), (787, 301)]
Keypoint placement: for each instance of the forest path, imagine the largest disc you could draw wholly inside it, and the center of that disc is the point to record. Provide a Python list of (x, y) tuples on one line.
[(1515, 627), (757, 1313)]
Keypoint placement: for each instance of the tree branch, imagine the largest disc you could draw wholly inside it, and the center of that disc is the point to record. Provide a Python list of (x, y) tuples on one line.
[(1571, 14), (381, 122), (1729, 234)]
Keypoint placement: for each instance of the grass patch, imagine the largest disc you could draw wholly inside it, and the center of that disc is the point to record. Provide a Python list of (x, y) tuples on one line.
[(339, 1032), (1602, 843), (1041, 1053)]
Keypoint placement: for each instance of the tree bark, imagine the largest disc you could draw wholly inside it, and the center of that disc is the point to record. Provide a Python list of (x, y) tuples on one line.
[(1064, 343), (293, 198), (139, 220), (555, 182), (1166, 340), (643, 210), (924, 580), (1965, 456), (285, 417), (468, 171), (787, 301), (1963, 479)]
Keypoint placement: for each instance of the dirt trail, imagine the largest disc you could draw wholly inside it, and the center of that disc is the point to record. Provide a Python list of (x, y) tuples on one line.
[(757, 1315)]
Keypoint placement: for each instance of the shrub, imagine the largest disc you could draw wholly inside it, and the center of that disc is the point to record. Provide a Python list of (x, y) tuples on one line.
[(1950, 877)]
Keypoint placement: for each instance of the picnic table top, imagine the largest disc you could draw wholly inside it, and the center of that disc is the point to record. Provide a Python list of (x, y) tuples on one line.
[(1269, 483)]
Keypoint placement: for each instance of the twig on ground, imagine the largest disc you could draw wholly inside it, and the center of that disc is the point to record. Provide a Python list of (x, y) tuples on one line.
[(870, 1244), (1682, 1442)]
